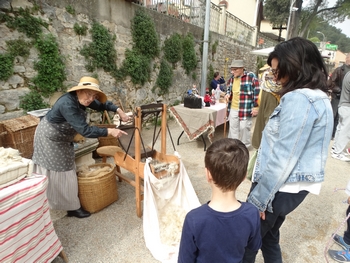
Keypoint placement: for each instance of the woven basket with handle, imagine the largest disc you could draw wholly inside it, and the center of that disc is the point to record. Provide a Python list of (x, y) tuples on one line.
[(98, 192)]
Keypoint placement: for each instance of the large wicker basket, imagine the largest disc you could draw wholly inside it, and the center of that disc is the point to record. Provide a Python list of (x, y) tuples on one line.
[(98, 192)]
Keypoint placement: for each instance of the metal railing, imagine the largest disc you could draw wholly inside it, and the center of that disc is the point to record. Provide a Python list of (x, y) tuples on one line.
[(193, 11)]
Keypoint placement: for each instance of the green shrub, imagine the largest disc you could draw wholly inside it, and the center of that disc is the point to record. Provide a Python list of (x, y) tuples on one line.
[(189, 58), (50, 67), (173, 48), (32, 101), (70, 9), (6, 69), (26, 23), (165, 77), (144, 34), (137, 66), (100, 53), (18, 47), (80, 29)]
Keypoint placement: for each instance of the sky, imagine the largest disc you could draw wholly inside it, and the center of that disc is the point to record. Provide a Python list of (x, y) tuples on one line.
[(345, 26)]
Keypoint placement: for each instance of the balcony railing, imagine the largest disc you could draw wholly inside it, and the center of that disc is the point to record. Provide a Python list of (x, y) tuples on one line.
[(221, 21)]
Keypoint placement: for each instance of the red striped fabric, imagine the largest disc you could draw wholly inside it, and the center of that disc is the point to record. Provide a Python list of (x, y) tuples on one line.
[(26, 231)]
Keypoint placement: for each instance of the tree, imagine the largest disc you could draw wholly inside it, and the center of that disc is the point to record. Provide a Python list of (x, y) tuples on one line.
[(277, 11)]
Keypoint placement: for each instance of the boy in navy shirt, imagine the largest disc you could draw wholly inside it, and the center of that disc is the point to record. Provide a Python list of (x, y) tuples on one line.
[(221, 230)]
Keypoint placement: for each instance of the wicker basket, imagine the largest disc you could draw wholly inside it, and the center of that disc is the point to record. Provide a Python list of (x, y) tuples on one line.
[(109, 140), (98, 192), (19, 134)]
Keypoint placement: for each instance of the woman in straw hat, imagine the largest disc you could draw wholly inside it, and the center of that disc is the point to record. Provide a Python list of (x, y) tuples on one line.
[(53, 142)]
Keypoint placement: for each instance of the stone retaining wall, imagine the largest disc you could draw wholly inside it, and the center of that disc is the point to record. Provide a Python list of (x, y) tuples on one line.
[(115, 15)]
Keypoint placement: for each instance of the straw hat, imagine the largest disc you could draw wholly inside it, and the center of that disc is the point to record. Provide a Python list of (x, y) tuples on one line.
[(237, 64), (265, 67), (91, 84)]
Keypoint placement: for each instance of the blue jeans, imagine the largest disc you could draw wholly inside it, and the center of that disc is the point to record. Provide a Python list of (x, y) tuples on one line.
[(283, 204), (347, 231)]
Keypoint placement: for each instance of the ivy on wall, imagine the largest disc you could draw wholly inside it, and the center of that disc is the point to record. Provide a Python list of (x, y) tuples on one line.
[(165, 77), (6, 69), (137, 66), (189, 59), (50, 66), (173, 49), (144, 34), (100, 53)]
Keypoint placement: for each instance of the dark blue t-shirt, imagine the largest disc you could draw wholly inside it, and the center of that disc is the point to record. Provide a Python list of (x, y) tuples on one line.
[(212, 236)]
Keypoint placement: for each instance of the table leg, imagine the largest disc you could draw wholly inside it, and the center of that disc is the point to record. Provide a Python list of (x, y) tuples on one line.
[(63, 255), (178, 139), (205, 145)]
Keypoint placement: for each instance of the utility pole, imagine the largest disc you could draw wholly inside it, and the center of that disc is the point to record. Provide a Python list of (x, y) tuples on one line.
[(205, 48)]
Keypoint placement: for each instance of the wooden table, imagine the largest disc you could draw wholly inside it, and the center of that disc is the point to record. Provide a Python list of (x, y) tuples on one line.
[(26, 231), (195, 122)]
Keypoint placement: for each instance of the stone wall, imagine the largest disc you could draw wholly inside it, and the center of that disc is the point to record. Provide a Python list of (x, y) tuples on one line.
[(116, 16)]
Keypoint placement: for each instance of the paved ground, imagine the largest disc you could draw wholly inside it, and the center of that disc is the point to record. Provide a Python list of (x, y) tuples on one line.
[(115, 234)]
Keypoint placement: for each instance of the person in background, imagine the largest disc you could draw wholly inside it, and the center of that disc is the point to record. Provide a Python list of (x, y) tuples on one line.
[(342, 135), (54, 154), (268, 101), (294, 146), (335, 83), (343, 241), (217, 80), (220, 230), (242, 96)]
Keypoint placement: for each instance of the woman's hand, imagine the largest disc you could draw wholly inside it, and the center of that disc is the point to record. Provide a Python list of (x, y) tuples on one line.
[(123, 116), (116, 132), (255, 111), (262, 215)]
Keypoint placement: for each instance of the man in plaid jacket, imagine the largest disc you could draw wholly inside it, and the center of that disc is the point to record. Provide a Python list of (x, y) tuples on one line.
[(242, 96)]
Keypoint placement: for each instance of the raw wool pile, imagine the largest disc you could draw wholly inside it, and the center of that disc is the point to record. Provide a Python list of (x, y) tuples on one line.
[(171, 168), (118, 122), (86, 171), (8, 156), (171, 219)]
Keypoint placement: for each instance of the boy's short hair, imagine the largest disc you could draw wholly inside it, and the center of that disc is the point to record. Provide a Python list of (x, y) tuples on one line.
[(216, 74), (227, 161)]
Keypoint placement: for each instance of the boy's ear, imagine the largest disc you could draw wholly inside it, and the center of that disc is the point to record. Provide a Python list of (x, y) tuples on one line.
[(208, 175)]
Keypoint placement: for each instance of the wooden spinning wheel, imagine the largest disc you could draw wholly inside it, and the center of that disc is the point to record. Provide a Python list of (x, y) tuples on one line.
[(132, 153)]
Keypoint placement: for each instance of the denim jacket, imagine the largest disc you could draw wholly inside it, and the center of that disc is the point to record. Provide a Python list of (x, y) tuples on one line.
[(294, 145)]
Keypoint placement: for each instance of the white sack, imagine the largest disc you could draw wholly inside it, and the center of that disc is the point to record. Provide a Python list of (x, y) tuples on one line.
[(166, 200)]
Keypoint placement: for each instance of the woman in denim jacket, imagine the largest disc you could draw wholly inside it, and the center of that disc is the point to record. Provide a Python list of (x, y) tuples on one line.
[(294, 147)]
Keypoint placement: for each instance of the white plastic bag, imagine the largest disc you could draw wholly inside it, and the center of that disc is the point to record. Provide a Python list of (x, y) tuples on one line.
[(166, 202)]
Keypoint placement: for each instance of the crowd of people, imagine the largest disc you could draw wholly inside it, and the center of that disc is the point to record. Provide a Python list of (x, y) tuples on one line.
[(294, 128)]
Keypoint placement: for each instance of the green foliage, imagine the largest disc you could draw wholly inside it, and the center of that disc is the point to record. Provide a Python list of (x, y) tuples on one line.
[(144, 34), (26, 23), (18, 47), (100, 53), (194, 75), (189, 58), (137, 66), (214, 48), (80, 29), (6, 69), (70, 9), (277, 11), (173, 48), (32, 101), (165, 77), (50, 67), (210, 75)]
